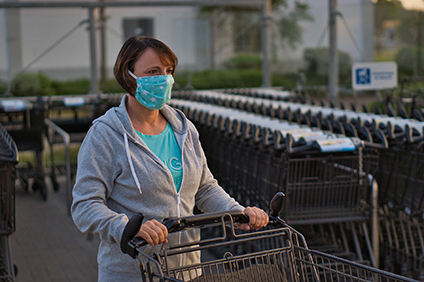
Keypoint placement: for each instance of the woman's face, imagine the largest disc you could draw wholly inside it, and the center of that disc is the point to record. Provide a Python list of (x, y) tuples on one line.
[(150, 64)]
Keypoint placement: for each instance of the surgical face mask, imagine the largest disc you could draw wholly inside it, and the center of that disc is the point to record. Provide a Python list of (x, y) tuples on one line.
[(153, 92)]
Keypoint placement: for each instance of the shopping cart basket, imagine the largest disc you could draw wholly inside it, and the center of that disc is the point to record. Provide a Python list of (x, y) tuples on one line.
[(24, 121), (277, 253), (8, 160)]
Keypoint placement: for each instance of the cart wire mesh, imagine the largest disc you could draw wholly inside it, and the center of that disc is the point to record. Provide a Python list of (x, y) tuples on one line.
[(270, 255), (8, 159), (319, 187)]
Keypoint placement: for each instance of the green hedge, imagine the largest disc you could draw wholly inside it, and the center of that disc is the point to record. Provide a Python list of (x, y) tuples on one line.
[(37, 84), (218, 79), (243, 62), (211, 79), (31, 84)]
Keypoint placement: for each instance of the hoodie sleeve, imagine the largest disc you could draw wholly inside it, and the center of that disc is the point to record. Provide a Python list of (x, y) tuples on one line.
[(94, 183), (210, 197)]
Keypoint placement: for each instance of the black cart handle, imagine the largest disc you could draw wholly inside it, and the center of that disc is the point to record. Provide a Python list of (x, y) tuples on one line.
[(131, 229), (129, 243)]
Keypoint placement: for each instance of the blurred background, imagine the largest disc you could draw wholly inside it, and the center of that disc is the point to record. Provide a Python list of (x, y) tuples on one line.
[(49, 51), (286, 64)]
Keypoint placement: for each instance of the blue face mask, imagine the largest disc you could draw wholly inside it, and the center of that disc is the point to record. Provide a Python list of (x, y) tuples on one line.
[(153, 92)]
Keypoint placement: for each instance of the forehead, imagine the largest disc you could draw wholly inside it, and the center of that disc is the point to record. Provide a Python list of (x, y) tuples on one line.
[(152, 58)]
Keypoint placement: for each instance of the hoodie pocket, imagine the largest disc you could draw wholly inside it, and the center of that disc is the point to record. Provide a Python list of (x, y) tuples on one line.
[(111, 258)]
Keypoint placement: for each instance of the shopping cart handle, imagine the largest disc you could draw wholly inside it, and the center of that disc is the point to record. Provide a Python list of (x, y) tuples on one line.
[(350, 130), (379, 135), (277, 204), (131, 229), (413, 135), (130, 243), (204, 220), (299, 146)]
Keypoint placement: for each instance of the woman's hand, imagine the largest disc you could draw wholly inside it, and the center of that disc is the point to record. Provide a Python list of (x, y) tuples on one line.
[(153, 232), (257, 218)]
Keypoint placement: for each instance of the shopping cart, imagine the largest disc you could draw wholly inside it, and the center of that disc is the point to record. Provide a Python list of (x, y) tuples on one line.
[(70, 117), (277, 253), (324, 190), (8, 160), (24, 120)]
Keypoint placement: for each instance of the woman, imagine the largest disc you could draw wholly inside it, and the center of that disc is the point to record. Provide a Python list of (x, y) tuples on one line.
[(144, 157)]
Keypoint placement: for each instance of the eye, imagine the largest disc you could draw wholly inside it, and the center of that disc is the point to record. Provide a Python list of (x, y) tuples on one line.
[(152, 71), (170, 71)]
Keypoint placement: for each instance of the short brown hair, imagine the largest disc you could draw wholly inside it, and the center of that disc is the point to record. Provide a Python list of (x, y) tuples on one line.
[(132, 49)]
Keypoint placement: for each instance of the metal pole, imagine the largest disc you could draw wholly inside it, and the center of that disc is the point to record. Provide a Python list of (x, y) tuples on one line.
[(103, 47), (375, 224), (266, 78), (93, 54), (66, 141), (418, 66), (333, 71), (8, 63), (90, 4)]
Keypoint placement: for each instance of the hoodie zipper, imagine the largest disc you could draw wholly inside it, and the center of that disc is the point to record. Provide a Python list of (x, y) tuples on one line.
[(182, 180), (179, 233), (178, 205), (178, 195)]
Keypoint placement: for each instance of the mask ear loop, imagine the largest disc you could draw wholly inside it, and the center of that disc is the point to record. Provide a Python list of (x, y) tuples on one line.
[(133, 75)]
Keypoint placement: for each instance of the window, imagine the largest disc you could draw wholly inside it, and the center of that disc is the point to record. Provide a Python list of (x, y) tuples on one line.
[(138, 27)]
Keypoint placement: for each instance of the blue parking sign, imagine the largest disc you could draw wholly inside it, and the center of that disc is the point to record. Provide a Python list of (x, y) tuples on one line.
[(374, 75), (363, 76)]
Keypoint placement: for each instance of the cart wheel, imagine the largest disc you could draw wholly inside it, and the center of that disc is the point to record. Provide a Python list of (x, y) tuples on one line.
[(55, 185), (40, 185), (35, 186), (43, 192), (24, 183)]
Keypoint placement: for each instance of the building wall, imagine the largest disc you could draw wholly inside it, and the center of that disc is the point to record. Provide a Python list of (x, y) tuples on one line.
[(197, 45), (11, 46), (41, 28)]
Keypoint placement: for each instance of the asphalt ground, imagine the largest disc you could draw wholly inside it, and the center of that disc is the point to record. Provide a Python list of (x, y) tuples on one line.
[(46, 245)]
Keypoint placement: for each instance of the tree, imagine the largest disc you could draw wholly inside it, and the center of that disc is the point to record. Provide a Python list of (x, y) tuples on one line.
[(289, 24), (317, 65), (407, 34), (385, 10), (247, 40)]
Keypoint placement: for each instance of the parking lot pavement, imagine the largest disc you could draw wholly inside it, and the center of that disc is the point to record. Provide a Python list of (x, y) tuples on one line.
[(46, 245)]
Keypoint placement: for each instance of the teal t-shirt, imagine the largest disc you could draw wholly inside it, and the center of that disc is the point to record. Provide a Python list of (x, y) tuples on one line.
[(165, 146)]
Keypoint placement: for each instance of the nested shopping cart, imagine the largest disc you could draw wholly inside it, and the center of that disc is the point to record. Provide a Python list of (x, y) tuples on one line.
[(8, 160), (276, 253), (24, 120), (326, 187), (255, 156)]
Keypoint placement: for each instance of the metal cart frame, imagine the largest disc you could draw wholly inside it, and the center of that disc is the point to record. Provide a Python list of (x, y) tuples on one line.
[(8, 159), (276, 253)]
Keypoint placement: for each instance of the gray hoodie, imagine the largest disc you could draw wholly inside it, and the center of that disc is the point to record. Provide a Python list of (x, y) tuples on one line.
[(119, 176)]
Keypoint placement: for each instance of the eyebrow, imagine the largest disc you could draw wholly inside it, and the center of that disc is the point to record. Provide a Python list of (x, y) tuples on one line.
[(158, 67)]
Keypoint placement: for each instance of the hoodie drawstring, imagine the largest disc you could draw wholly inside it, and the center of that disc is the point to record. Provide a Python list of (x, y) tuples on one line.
[(127, 149)]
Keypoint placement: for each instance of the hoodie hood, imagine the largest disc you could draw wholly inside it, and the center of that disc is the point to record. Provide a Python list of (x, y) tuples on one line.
[(118, 119)]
